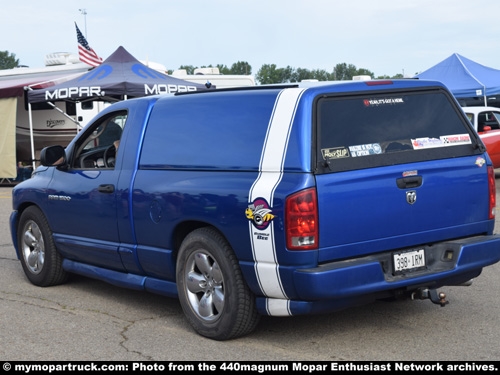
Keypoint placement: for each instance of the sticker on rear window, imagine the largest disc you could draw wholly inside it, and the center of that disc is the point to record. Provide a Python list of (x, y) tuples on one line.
[(443, 141), (365, 150), (461, 139), (335, 153), (384, 101)]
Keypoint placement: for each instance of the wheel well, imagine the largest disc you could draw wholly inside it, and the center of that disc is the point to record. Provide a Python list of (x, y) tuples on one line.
[(183, 229), (20, 211)]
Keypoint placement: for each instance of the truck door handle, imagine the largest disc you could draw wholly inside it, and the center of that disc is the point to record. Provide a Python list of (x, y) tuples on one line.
[(106, 188), (409, 182)]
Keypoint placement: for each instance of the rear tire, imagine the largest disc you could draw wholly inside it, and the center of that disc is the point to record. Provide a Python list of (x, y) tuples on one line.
[(41, 262), (212, 292)]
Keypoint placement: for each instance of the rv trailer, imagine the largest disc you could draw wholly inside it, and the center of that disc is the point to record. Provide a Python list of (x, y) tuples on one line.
[(213, 76), (49, 126)]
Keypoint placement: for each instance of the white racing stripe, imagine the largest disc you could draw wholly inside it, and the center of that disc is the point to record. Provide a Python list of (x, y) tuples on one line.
[(271, 172)]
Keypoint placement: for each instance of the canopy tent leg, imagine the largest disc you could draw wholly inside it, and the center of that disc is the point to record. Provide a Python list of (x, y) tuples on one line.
[(32, 140)]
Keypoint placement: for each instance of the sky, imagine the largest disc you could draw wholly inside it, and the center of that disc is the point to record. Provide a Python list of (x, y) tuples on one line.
[(386, 37)]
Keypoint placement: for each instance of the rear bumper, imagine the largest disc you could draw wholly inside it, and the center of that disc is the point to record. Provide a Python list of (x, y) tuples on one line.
[(334, 286)]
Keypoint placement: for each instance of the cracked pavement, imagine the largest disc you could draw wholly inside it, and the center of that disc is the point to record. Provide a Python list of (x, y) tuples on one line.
[(88, 320)]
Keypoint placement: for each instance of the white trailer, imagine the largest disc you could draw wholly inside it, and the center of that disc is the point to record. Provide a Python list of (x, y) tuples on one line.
[(49, 126), (213, 76)]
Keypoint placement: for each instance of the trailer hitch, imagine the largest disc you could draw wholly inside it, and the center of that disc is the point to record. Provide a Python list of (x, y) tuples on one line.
[(432, 294)]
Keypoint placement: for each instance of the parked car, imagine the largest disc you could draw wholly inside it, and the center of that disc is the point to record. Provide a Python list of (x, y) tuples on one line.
[(486, 121)]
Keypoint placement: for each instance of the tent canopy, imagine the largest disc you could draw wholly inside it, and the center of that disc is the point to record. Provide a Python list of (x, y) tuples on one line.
[(14, 86), (120, 75), (464, 78)]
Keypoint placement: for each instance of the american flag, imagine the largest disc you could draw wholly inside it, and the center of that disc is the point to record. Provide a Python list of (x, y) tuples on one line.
[(85, 53)]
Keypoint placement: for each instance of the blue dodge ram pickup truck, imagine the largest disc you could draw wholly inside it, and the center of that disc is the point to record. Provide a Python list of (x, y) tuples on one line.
[(272, 200)]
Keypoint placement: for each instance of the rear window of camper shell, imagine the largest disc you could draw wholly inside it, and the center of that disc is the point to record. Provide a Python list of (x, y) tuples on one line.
[(377, 129)]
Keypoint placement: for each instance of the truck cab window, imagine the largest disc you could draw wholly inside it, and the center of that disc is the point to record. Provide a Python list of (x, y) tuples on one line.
[(99, 148)]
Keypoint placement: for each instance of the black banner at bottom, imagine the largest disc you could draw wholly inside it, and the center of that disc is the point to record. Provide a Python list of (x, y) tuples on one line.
[(299, 367)]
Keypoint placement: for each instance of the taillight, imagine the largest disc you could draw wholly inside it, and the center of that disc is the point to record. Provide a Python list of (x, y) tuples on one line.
[(301, 218), (492, 191)]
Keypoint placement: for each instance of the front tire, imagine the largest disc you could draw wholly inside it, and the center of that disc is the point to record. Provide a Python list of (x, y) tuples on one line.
[(212, 292), (41, 262)]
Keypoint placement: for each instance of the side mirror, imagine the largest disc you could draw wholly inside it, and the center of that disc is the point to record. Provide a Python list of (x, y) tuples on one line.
[(486, 128), (53, 156)]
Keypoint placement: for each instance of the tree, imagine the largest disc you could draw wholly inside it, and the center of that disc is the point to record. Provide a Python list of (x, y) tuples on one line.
[(341, 72), (320, 75), (301, 74), (223, 69), (241, 67), (285, 74), (364, 72), (396, 76), (8, 60), (189, 68), (344, 72), (269, 74)]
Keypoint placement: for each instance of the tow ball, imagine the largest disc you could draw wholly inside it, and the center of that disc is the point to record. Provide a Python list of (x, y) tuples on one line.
[(432, 294)]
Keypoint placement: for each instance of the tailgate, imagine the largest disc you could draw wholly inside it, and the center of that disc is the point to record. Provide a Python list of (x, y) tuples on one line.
[(396, 207)]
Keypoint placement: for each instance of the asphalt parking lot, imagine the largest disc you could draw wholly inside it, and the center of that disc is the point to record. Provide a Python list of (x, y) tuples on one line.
[(89, 320)]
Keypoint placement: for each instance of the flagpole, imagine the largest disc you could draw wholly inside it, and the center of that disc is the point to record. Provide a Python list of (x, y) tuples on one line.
[(84, 12)]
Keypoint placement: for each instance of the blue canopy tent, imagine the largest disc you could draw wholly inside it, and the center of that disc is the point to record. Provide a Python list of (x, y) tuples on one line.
[(465, 78)]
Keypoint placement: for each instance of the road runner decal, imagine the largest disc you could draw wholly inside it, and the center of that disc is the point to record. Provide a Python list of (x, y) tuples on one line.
[(262, 190)]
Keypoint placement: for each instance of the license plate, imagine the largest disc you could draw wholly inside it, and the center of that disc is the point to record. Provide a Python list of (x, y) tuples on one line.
[(409, 260)]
